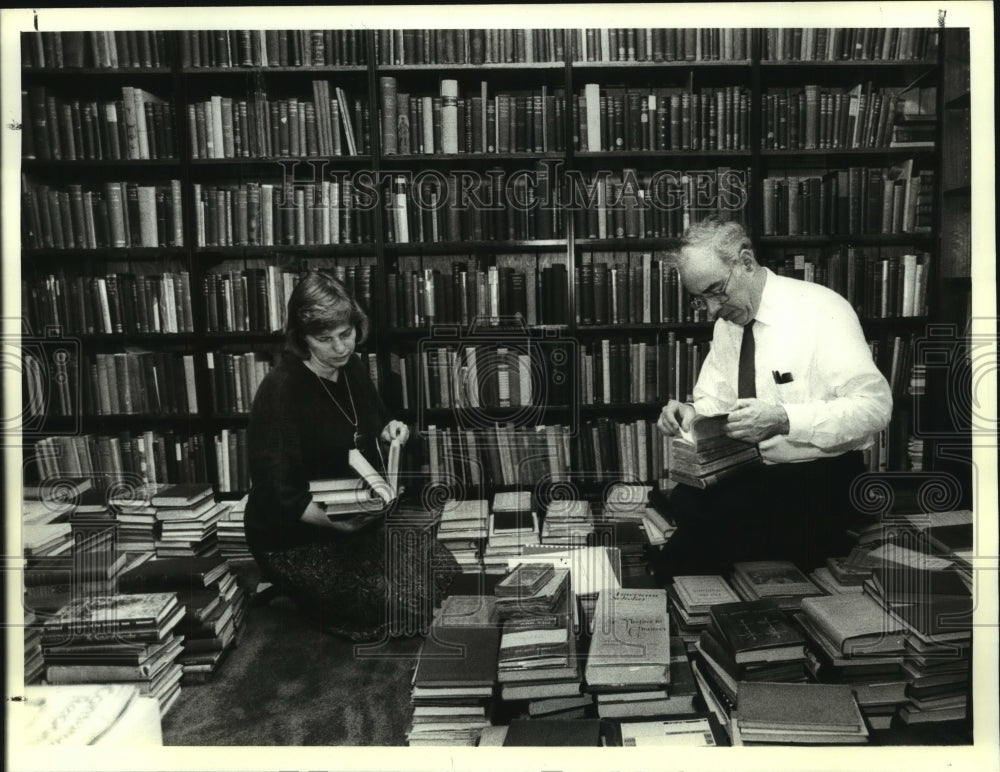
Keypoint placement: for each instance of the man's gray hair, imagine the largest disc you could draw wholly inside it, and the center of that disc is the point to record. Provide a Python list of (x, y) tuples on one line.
[(727, 239)]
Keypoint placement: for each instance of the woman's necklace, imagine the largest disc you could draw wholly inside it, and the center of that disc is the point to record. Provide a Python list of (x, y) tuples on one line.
[(354, 410)]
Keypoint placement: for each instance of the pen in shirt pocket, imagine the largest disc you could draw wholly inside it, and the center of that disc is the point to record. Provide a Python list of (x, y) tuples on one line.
[(780, 378)]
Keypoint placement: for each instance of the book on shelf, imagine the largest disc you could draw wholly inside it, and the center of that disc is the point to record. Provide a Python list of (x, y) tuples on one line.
[(238, 48), (120, 49), (849, 44), (643, 44), (469, 46)]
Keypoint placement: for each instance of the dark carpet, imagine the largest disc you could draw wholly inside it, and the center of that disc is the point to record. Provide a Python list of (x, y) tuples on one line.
[(287, 683)]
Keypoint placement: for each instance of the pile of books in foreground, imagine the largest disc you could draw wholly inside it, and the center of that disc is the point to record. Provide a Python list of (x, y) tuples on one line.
[(811, 714), (232, 537), (453, 683), (124, 638), (214, 607)]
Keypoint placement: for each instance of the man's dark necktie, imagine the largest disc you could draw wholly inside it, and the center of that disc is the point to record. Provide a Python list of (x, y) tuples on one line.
[(747, 374)]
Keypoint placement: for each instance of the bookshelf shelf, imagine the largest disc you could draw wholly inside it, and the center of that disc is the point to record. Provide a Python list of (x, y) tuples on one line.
[(674, 156), (119, 72), (629, 244), (855, 239), (392, 69), (841, 155), (255, 164), (244, 337), (466, 247), (345, 69), (484, 417), (147, 339), (488, 331), (303, 250), (455, 158), (615, 329), (847, 64), (683, 64), (108, 253), (33, 164)]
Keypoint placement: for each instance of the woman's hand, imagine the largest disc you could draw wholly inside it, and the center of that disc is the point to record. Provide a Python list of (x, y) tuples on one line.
[(396, 430)]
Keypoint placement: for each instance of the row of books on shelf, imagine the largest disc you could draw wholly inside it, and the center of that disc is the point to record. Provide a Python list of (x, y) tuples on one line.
[(144, 456), (832, 44), (880, 283), (601, 450), (632, 288), (519, 121), (272, 48), (106, 49), (260, 127), (317, 48), (498, 205), (857, 200), (814, 117), (114, 303), (256, 299), (143, 383), (620, 372), (269, 214), (139, 126), (422, 296), (109, 215), (645, 118)]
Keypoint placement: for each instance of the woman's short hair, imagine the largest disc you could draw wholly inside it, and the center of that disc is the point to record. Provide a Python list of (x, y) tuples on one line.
[(727, 239), (318, 304)]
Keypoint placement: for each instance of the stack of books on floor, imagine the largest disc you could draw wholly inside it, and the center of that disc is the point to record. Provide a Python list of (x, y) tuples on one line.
[(929, 597), (788, 713), (107, 715), (627, 502), (749, 641), (703, 455), (463, 528), (778, 580), (854, 641), (455, 677), (629, 659), (187, 515), (691, 598), (568, 523), (126, 638), (538, 656), (138, 527), (232, 537), (214, 607), (679, 697), (513, 525)]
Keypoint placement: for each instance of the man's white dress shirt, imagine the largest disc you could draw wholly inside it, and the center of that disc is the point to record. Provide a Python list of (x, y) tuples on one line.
[(812, 358)]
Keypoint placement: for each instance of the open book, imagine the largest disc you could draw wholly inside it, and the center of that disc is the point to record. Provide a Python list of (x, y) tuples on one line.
[(370, 492)]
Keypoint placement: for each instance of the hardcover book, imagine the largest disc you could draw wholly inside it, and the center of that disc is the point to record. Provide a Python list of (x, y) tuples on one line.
[(756, 631)]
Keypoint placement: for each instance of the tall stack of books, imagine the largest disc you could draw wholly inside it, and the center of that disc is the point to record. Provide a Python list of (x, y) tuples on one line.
[(214, 606), (679, 697), (692, 597), (117, 638), (538, 655), (568, 523), (749, 641), (812, 714), (854, 641), (929, 597), (778, 580), (187, 515), (463, 528), (629, 659), (232, 536), (34, 662), (455, 677), (703, 455), (513, 525)]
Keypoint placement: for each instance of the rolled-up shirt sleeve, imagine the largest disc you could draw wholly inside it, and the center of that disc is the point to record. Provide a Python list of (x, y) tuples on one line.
[(858, 401)]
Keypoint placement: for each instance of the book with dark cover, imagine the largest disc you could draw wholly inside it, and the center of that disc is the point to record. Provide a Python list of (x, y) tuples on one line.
[(554, 732), (756, 631), (458, 656), (524, 581), (174, 574), (798, 707)]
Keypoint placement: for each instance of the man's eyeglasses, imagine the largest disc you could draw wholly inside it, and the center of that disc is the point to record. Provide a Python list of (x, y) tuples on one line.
[(700, 302)]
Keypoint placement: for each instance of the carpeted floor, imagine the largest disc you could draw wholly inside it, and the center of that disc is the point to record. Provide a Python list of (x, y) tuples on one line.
[(289, 684)]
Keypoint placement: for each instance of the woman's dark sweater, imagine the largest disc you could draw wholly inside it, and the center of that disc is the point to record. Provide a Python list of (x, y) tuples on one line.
[(297, 434)]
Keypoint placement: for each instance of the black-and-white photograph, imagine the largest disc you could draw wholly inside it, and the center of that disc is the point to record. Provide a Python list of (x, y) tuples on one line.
[(394, 387)]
